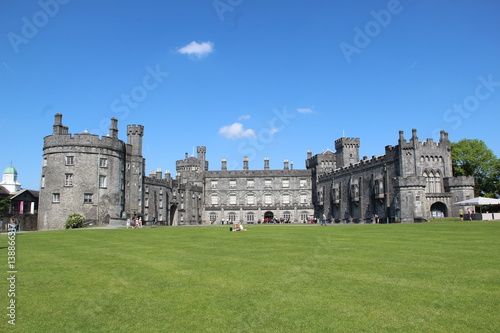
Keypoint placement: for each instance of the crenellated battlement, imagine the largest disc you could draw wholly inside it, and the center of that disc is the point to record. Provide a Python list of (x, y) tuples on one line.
[(135, 130), (347, 142), (83, 140), (363, 164)]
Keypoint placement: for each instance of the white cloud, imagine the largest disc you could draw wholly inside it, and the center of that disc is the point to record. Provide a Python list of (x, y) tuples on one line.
[(198, 50), (236, 131), (244, 117), (305, 110)]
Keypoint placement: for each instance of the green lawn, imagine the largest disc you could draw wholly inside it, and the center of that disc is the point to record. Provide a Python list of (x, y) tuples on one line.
[(426, 277)]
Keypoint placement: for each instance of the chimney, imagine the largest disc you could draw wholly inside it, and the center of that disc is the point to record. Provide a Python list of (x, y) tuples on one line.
[(266, 163), (113, 128), (224, 165), (285, 165), (309, 153), (245, 162)]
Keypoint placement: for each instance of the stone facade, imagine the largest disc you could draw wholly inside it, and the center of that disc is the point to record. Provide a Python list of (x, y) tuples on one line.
[(253, 196), (103, 178), (412, 181)]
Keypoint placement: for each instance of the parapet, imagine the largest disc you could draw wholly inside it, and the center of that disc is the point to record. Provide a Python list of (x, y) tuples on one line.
[(347, 142), (135, 130)]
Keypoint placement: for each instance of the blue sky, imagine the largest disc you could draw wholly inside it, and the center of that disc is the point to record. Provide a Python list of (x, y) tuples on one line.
[(247, 78)]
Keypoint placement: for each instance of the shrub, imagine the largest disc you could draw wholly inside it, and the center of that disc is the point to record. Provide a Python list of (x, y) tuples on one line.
[(75, 221)]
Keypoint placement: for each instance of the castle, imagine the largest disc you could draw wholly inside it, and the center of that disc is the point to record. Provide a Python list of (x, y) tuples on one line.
[(103, 178)]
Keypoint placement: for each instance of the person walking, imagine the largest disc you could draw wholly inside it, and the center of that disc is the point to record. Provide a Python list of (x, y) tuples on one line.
[(470, 214), (461, 214)]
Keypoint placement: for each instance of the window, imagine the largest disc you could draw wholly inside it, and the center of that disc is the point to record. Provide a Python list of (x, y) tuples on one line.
[(286, 216), (304, 216), (379, 187), (70, 160), (213, 184), (45, 161), (286, 199), (268, 183), (303, 182), (43, 182), (231, 217), (214, 199), (232, 199), (286, 183), (88, 198), (103, 162), (212, 217), (268, 199), (250, 183), (56, 197), (250, 217), (102, 181), (303, 198), (146, 202), (433, 182), (68, 179), (146, 189), (250, 199), (232, 183)]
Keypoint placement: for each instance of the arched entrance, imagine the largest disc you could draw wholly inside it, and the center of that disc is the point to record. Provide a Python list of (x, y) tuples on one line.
[(268, 216), (438, 210)]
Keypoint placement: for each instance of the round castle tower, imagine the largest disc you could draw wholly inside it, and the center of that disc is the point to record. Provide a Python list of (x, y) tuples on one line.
[(81, 174)]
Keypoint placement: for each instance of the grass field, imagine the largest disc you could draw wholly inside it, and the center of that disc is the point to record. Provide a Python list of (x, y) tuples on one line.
[(426, 277)]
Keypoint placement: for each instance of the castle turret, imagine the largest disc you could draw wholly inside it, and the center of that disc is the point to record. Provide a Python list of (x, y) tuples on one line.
[(347, 151), (134, 135), (202, 152), (134, 172)]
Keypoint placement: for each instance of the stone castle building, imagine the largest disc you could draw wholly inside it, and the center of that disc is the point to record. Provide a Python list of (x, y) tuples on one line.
[(103, 178)]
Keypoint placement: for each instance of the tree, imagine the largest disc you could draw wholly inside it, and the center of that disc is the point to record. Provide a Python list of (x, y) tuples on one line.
[(471, 157), (5, 206)]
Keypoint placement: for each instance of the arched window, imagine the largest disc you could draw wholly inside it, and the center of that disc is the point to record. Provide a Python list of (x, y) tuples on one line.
[(213, 217), (433, 182), (438, 186)]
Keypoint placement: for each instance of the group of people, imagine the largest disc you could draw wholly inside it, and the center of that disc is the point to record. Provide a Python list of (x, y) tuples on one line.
[(136, 222), (237, 227), (461, 214)]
